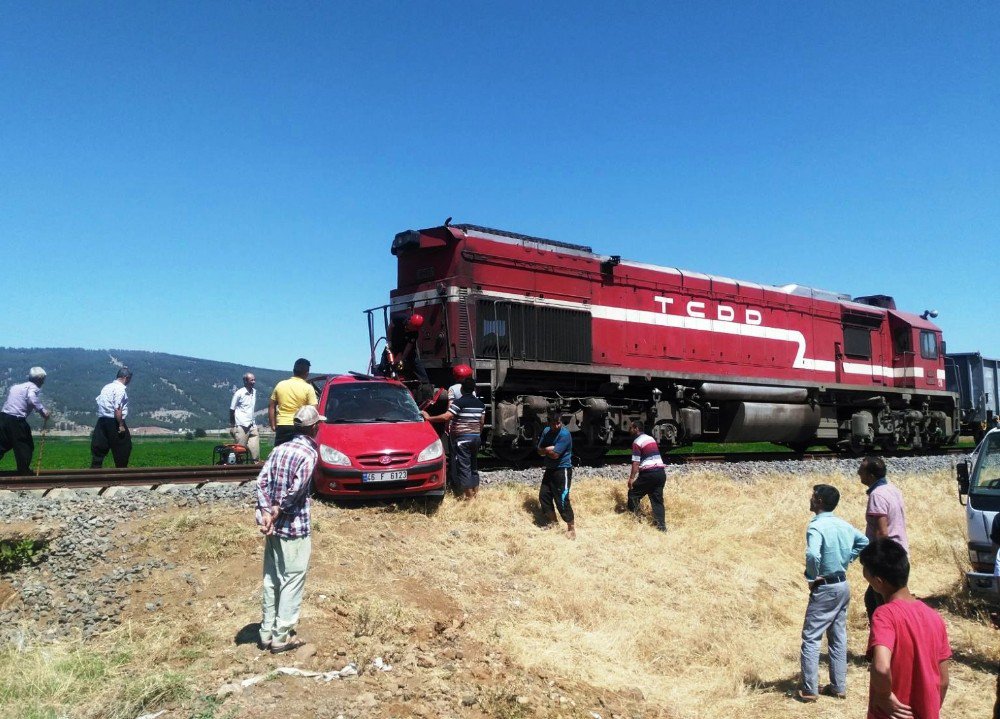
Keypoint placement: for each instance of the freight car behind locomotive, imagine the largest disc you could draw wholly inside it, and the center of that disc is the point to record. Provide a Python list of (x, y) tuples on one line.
[(552, 327)]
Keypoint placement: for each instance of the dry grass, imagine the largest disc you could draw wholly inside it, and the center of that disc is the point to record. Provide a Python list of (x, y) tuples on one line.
[(704, 620), (118, 677)]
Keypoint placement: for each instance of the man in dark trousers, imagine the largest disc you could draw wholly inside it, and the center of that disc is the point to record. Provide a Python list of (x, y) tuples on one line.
[(111, 433), (15, 433), (648, 475), (466, 414), (556, 446), (885, 515)]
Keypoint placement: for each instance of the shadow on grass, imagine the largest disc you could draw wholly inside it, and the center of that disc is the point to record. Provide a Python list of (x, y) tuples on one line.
[(531, 506), (249, 634)]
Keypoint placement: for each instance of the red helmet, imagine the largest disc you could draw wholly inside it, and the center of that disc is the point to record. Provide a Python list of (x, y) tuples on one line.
[(461, 371), (415, 321)]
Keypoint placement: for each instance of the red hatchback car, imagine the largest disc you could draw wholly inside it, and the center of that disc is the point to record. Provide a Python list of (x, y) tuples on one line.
[(375, 443)]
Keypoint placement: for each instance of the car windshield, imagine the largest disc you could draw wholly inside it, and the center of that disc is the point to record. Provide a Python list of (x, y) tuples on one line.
[(367, 402), (986, 479)]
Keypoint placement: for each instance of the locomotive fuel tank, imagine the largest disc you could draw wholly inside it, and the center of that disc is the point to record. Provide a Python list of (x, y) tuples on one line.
[(773, 422)]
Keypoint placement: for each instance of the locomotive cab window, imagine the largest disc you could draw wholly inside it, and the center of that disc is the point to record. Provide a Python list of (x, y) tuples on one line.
[(858, 342), (928, 345), (901, 341)]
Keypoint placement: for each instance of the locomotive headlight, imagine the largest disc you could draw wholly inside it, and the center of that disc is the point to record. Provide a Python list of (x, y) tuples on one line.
[(333, 456), (433, 451)]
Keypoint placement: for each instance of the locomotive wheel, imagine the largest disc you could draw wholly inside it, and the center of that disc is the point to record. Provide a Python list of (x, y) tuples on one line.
[(798, 447), (514, 455), (591, 453)]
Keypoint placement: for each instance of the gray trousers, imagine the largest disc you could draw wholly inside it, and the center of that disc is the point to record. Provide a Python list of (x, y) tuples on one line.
[(825, 614), (249, 437), (285, 564)]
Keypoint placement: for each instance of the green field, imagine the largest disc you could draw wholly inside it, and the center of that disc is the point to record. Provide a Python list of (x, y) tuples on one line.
[(64, 453)]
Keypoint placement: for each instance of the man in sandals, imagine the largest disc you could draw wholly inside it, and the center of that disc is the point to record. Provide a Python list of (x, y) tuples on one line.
[(284, 487), (831, 544)]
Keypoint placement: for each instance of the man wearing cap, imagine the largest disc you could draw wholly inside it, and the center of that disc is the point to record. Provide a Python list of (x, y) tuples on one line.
[(288, 397), (15, 432), (242, 425), (111, 433), (284, 486)]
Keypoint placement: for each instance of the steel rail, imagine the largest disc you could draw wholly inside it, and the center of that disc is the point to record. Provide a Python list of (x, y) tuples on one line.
[(154, 477), (104, 479)]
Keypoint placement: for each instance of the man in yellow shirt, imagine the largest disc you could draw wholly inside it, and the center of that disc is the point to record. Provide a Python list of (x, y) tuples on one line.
[(288, 397)]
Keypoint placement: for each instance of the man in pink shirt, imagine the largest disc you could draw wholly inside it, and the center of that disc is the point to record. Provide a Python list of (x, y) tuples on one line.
[(908, 644), (885, 515)]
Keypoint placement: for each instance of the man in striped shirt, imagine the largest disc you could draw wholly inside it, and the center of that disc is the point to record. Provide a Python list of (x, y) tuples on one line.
[(648, 475), (283, 489), (466, 414)]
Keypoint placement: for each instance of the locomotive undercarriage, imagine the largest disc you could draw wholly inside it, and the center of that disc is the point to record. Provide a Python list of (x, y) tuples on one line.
[(599, 414)]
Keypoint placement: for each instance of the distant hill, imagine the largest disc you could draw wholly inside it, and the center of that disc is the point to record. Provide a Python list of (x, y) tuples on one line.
[(169, 391)]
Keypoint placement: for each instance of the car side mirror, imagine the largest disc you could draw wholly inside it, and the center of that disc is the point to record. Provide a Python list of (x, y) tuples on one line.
[(962, 476)]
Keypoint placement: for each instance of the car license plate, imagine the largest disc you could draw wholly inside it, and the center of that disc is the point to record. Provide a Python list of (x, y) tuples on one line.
[(383, 476)]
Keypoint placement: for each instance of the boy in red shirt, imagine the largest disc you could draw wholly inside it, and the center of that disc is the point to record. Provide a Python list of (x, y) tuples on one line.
[(908, 645)]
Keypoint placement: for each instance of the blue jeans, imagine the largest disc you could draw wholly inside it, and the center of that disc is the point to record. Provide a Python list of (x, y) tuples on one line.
[(826, 613)]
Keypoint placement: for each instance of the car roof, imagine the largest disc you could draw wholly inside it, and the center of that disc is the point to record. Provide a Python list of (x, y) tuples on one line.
[(353, 378)]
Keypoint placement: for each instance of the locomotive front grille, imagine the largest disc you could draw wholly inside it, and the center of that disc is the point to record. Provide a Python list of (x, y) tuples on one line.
[(521, 331)]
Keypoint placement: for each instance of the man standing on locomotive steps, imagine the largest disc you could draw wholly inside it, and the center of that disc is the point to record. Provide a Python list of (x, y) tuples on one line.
[(111, 433), (242, 425), (15, 432), (284, 486), (556, 446), (648, 475), (288, 397)]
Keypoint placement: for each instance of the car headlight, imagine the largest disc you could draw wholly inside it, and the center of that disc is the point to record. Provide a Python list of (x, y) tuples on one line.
[(433, 451), (333, 456)]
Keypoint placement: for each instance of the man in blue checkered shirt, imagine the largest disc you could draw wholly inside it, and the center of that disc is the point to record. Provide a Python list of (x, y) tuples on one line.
[(284, 487)]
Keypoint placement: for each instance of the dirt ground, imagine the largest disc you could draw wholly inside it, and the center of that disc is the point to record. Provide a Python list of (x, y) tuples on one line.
[(482, 613)]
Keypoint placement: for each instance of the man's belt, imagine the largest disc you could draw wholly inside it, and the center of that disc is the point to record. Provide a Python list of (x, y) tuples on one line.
[(835, 578)]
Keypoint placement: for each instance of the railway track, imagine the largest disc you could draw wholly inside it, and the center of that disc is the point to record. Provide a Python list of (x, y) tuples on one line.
[(152, 477), (155, 477)]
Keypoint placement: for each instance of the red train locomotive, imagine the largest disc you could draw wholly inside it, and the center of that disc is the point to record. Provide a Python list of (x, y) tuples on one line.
[(554, 327)]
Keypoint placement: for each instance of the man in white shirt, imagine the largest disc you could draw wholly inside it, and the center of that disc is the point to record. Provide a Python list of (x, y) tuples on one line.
[(111, 433), (15, 433), (242, 426)]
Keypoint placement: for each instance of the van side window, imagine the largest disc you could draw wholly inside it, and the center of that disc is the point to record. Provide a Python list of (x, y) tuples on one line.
[(928, 345)]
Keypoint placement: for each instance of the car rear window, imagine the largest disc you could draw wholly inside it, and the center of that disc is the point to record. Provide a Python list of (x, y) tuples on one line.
[(367, 402)]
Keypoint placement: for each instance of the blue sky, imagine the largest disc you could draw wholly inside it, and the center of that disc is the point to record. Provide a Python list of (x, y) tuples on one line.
[(223, 180)]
